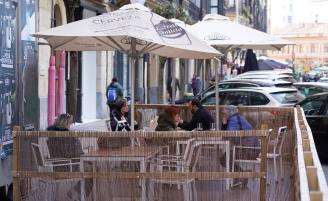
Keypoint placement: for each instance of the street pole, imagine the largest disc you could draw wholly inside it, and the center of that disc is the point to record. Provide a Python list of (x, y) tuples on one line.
[(237, 10)]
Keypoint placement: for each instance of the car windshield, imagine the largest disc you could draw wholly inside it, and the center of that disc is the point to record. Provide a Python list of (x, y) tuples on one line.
[(287, 96)]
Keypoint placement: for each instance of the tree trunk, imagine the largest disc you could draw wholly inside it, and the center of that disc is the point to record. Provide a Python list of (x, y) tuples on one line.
[(72, 81), (72, 84)]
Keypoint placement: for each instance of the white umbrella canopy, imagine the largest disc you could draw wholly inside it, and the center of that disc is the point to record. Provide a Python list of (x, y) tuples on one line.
[(113, 31), (218, 30), (134, 30)]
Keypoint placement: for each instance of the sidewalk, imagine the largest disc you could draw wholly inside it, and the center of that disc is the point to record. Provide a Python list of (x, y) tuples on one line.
[(98, 125)]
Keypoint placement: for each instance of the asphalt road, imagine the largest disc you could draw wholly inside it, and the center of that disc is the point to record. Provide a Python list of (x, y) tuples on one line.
[(325, 169)]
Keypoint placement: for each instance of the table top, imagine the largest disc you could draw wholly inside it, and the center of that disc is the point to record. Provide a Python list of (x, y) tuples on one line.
[(143, 151)]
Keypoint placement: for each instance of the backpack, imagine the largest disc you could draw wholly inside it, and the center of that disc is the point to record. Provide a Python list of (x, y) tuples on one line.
[(111, 94)]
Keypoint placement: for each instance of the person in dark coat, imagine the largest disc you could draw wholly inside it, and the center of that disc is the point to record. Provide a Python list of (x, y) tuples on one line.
[(169, 119), (199, 115), (63, 147), (250, 61), (70, 148)]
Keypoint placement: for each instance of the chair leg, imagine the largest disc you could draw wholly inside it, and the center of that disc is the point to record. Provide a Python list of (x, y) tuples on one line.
[(275, 168), (151, 194), (194, 190), (185, 192), (281, 169)]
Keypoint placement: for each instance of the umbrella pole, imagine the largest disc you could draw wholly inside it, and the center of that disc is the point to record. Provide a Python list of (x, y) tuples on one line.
[(217, 109), (133, 68)]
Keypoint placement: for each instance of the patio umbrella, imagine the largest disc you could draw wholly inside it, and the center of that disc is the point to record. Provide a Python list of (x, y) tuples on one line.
[(270, 64), (134, 30), (219, 31)]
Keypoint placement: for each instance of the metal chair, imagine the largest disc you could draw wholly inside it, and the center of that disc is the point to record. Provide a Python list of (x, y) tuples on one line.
[(48, 164), (177, 163)]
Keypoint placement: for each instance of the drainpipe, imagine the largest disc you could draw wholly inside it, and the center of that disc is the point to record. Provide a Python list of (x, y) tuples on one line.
[(61, 85), (51, 90)]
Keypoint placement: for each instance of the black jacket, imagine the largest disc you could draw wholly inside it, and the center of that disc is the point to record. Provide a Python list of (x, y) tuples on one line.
[(203, 116), (118, 122), (63, 147)]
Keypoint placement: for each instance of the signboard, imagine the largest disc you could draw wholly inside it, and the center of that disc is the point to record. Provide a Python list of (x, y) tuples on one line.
[(7, 70), (29, 67)]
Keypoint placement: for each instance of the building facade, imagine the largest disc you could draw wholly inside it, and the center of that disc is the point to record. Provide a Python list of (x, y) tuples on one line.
[(311, 45)]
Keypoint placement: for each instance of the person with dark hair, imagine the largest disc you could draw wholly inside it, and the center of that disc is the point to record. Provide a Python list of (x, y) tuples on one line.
[(114, 92), (199, 115), (119, 120), (169, 119)]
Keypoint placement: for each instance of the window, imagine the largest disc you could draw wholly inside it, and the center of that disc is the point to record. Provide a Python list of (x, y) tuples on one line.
[(325, 48), (258, 99), (289, 19), (285, 97), (312, 106), (214, 6), (300, 48), (313, 48), (235, 98)]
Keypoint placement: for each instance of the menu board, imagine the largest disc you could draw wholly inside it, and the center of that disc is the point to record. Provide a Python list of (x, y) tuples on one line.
[(7, 69)]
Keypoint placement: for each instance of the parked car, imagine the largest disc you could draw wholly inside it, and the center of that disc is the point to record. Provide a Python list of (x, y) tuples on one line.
[(316, 111), (269, 72), (323, 79), (265, 96), (273, 77), (238, 83), (311, 88)]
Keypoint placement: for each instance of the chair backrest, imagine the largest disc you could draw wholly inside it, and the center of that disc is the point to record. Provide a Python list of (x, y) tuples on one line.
[(38, 157), (279, 141), (191, 155)]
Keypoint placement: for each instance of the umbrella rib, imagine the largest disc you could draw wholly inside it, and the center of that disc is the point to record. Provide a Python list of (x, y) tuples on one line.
[(105, 43), (118, 45), (57, 46), (158, 47), (276, 47), (149, 46)]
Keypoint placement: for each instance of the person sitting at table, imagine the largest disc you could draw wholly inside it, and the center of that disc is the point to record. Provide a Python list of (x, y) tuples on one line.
[(233, 121), (119, 121), (70, 148), (199, 115), (169, 119)]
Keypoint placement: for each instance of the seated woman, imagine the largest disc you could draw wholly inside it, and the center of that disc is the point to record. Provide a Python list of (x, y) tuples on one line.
[(169, 119), (119, 121), (60, 147), (68, 147)]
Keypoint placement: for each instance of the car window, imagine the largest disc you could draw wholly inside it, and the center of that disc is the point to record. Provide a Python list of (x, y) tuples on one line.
[(286, 97), (312, 106), (310, 90), (258, 99), (210, 99), (237, 85), (235, 98)]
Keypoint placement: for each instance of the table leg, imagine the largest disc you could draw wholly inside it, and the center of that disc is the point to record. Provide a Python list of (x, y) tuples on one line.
[(228, 163), (143, 182), (82, 181), (94, 182)]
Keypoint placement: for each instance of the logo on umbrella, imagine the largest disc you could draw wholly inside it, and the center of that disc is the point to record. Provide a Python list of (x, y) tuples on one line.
[(216, 36), (169, 31)]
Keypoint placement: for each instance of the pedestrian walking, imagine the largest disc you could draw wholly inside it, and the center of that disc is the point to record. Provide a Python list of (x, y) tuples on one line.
[(114, 92), (195, 84)]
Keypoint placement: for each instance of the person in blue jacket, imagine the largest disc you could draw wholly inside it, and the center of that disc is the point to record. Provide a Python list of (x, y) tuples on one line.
[(233, 121)]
